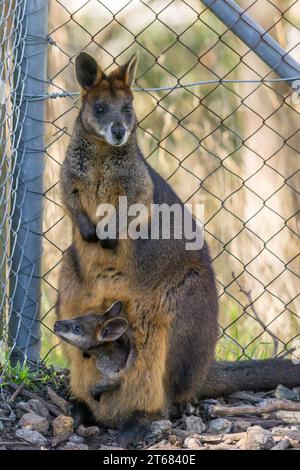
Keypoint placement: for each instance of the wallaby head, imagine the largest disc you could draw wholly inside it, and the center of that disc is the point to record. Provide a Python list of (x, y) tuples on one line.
[(107, 101), (91, 330)]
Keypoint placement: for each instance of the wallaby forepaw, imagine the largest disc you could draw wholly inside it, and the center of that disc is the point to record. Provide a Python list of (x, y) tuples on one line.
[(89, 234), (108, 243)]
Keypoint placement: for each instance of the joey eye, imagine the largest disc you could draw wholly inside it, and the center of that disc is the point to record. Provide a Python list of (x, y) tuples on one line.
[(105, 332), (77, 329)]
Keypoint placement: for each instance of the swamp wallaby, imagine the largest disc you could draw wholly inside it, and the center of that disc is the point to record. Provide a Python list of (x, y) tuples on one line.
[(168, 291)]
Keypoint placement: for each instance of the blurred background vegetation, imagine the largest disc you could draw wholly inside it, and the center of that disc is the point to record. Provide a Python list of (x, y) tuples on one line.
[(233, 147)]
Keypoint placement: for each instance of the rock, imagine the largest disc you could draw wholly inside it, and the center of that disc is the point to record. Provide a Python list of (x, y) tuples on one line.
[(3, 448), (62, 425), (284, 393), (297, 391), (257, 438), (87, 431), (190, 409), (219, 426), (72, 446), (194, 424), (39, 408), (33, 437), (1, 426), (76, 439), (56, 441), (34, 422), (110, 448), (282, 445), (163, 447), (192, 443), (159, 427)]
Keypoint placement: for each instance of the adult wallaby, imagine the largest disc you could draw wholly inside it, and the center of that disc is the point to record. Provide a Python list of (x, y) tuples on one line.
[(168, 291)]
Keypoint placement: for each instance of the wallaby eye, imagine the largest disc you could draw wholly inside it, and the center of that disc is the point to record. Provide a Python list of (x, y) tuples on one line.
[(127, 109), (99, 109), (77, 329)]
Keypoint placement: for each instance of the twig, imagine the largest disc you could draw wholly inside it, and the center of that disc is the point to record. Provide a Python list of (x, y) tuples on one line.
[(60, 402), (247, 293), (278, 405), (17, 392), (52, 408), (217, 438)]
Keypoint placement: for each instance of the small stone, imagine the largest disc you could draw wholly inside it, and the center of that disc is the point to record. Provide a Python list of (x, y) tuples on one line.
[(192, 443), (34, 422), (257, 438), (62, 425), (159, 427), (297, 391), (284, 393), (39, 408), (219, 426), (163, 447), (1, 426), (76, 439), (87, 431), (194, 424), (282, 445), (72, 446), (3, 448), (110, 448), (33, 437), (190, 409)]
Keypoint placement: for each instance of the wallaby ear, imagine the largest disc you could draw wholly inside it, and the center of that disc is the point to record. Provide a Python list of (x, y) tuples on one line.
[(113, 329), (114, 310), (88, 73), (126, 72)]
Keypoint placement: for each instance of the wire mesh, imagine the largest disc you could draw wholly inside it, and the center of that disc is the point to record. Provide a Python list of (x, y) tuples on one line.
[(231, 143)]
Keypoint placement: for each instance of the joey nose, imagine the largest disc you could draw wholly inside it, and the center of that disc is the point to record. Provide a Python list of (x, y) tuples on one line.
[(118, 131), (61, 326)]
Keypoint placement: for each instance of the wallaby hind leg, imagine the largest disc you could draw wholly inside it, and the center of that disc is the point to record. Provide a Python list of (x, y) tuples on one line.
[(81, 414), (104, 386), (135, 428)]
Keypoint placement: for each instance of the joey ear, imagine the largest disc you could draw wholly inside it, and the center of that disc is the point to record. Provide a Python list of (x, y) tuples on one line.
[(113, 329), (126, 71), (115, 309), (88, 73)]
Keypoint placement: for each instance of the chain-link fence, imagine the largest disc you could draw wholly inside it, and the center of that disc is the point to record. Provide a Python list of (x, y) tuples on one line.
[(214, 120)]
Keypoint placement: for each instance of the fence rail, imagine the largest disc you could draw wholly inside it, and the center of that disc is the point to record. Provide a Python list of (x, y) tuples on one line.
[(216, 117)]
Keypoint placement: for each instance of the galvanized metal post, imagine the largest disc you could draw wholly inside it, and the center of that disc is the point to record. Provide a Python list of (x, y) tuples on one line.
[(27, 203), (256, 38)]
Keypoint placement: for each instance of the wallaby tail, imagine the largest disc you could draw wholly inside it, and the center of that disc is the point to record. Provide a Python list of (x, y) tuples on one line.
[(225, 378)]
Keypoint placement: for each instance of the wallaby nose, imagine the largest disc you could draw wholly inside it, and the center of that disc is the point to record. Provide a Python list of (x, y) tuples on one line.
[(61, 326), (118, 131)]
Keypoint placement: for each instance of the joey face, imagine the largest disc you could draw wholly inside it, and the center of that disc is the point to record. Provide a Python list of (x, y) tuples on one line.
[(91, 330), (107, 102), (80, 332)]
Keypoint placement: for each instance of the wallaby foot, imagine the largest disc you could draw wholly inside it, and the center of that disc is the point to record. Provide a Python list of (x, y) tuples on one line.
[(81, 414), (134, 429), (102, 387)]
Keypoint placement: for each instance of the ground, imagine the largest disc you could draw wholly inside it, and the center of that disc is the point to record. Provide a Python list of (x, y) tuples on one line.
[(34, 414)]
